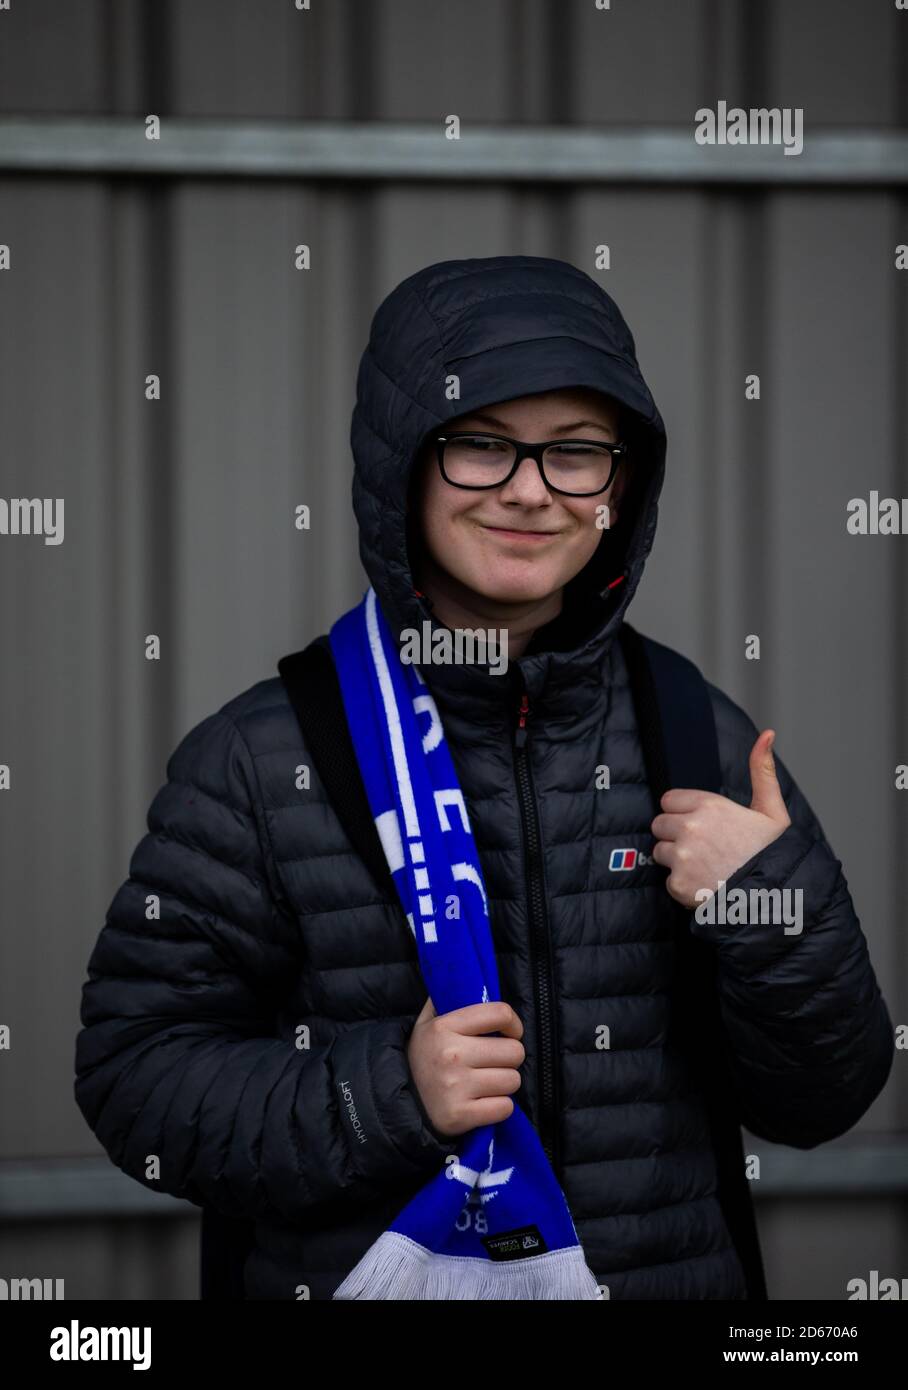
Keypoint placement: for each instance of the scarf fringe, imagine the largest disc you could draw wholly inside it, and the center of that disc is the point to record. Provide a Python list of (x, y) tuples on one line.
[(396, 1267)]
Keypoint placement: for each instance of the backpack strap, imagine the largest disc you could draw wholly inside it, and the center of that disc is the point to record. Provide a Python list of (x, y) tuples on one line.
[(677, 730), (225, 1244), (674, 716), (311, 682), (314, 690)]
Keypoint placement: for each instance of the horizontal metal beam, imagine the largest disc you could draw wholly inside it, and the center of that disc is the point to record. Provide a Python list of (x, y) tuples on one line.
[(93, 1187), (869, 1166), (384, 150), (79, 1187)]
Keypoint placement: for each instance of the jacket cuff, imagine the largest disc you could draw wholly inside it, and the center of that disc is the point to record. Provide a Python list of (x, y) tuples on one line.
[(778, 865), (384, 1123)]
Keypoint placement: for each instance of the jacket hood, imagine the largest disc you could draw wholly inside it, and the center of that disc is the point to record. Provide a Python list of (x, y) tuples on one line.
[(505, 326)]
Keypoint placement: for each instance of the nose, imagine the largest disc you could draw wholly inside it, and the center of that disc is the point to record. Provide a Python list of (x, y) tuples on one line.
[(527, 486)]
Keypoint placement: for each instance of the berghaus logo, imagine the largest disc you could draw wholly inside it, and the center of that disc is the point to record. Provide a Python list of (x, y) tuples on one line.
[(621, 859)]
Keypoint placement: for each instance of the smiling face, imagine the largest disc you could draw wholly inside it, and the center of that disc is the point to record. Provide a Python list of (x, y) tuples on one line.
[(520, 543)]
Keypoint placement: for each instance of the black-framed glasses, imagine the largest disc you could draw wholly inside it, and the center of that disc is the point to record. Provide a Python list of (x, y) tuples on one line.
[(575, 467)]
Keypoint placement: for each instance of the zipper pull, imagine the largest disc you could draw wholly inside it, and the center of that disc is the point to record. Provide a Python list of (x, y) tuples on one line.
[(520, 733)]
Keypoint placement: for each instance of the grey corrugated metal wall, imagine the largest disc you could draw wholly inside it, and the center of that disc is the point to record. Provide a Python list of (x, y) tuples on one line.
[(179, 514)]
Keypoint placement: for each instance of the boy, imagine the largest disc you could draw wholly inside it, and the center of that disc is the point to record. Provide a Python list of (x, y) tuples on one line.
[(267, 1035)]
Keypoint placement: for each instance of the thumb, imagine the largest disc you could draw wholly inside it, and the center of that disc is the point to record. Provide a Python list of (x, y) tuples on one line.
[(767, 796), (428, 1011)]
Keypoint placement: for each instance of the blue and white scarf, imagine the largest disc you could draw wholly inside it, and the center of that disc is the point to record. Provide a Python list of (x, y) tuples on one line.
[(494, 1222)]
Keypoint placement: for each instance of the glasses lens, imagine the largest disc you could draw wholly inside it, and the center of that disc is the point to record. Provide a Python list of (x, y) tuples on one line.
[(475, 460), (577, 467)]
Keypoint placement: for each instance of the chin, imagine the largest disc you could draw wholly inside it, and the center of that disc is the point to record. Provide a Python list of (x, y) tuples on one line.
[(507, 587)]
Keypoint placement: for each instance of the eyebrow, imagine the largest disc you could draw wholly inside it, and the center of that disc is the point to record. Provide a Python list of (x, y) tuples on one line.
[(558, 429)]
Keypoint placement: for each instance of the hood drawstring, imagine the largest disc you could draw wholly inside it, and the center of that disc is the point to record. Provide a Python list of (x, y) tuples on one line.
[(603, 593), (619, 580)]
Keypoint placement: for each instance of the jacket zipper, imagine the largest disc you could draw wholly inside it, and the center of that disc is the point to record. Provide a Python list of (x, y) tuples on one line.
[(540, 941)]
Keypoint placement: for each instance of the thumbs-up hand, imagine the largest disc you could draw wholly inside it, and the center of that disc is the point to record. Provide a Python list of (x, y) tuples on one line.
[(703, 837)]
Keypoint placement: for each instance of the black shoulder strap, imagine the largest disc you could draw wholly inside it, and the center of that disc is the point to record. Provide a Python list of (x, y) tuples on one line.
[(680, 748), (674, 714), (225, 1243), (311, 680)]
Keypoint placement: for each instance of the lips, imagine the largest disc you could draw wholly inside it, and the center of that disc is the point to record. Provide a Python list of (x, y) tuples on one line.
[(518, 531)]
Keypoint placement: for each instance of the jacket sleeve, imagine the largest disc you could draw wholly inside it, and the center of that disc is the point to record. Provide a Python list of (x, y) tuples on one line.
[(810, 1036), (178, 1059)]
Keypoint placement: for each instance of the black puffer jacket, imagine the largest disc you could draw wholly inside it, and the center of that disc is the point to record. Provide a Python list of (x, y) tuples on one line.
[(229, 1035)]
